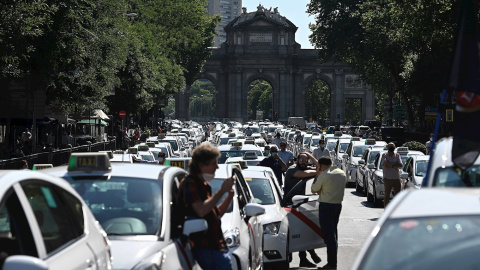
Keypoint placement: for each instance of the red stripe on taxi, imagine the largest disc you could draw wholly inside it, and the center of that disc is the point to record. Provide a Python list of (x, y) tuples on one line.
[(305, 220)]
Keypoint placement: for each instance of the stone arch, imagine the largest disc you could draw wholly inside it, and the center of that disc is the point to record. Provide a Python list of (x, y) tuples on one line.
[(258, 76), (209, 77)]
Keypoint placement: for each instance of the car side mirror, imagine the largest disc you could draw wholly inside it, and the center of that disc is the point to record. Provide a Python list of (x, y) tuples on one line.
[(404, 175), (361, 162), (24, 262), (194, 226), (253, 210), (371, 166), (344, 156)]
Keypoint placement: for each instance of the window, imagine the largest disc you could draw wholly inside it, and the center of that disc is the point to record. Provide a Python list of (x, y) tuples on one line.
[(59, 214)]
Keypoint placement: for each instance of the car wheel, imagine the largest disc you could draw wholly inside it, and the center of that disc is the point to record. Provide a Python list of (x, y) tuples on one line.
[(369, 196), (358, 189), (365, 190)]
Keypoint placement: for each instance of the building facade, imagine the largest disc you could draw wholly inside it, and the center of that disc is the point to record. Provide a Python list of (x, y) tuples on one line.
[(228, 10)]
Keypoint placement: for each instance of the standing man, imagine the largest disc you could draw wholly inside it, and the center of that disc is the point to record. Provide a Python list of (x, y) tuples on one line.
[(278, 139), (285, 155), (330, 185), (294, 175), (195, 194), (275, 163), (248, 131), (321, 150), (429, 144), (316, 129), (162, 157), (391, 172)]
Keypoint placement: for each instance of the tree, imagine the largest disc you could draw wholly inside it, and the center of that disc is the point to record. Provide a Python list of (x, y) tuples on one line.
[(259, 98), (317, 101), (390, 43)]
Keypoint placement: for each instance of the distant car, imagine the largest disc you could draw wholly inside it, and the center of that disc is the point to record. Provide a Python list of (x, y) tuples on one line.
[(415, 169), (45, 224), (434, 228)]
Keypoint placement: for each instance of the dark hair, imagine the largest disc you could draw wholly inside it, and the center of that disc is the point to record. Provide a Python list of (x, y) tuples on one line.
[(203, 154), (325, 160)]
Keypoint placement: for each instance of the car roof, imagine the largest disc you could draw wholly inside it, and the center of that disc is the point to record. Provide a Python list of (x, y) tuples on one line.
[(437, 202), (254, 174), (223, 169)]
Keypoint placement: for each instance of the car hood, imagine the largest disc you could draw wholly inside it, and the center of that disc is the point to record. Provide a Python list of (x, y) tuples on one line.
[(126, 254), (273, 213)]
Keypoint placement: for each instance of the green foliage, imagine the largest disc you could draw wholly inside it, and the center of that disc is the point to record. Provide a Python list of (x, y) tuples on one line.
[(404, 46), (317, 101), (413, 145), (202, 99), (82, 49), (259, 98)]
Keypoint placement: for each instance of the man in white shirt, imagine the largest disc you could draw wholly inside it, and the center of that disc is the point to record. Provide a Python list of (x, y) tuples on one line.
[(278, 140), (321, 150), (285, 155)]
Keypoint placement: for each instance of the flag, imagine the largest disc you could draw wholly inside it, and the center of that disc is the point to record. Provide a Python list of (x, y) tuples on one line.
[(465, 80)]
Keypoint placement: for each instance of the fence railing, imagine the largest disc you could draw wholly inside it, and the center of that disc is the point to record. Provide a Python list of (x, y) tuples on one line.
[(56, 157)]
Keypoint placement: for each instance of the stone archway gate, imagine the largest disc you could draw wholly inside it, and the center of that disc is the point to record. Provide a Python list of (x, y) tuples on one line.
[(261, 45)]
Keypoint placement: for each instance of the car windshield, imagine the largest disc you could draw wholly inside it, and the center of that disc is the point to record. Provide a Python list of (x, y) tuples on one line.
[(123, 205), (225, 140), (343, 147), (216, 184), (445, 242), (239, 153), (331, 145), (262, 190), (315, 142), (453, 177), (359, 150), (172, 143), (306, 140), (147, 157), (421, 167), (290, 136)]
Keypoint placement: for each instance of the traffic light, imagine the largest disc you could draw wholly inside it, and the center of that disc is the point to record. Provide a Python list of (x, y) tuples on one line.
[(380, 114), (276, 116)]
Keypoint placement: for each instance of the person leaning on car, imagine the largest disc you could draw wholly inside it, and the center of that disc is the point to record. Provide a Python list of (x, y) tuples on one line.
[(391, 172)]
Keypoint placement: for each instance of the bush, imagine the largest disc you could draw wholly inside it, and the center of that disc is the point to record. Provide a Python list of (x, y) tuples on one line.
[(418, 146)]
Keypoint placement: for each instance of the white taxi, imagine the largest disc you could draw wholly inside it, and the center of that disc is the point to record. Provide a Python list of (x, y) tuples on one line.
[(352, 155), (268, 193), (363, 171), (136, 204), (425, 229), (241, 224), (444, 174), (236, 149), (45, 224), (415, 169)]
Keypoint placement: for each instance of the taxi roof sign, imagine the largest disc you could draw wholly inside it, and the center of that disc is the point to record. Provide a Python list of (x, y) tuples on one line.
[(249, 141), (143, 148), (355, 139), (161, 135), (232, 134), (118, 152), (151, 144), (250, 155), (89, 162), (370, 141), (237, 144), (402, 149), (37, 167), (132, 150), (338, 133)]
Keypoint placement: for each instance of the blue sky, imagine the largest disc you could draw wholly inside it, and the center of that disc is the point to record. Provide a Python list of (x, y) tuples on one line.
[(294, 10)]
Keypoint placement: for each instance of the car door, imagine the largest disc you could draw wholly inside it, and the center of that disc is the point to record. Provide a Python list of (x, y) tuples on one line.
[(57, 221), (304, 227), (254, 224)]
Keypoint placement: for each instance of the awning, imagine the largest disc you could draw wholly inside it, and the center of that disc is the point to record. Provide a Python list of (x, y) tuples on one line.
[(99, 114), (92, 122)]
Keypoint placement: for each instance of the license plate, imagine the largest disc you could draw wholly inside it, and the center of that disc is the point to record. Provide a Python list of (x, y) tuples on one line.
[(180, 164)]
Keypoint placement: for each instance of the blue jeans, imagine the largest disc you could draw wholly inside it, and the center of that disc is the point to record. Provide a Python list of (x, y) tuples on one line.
[(329, 214), (212, 259)]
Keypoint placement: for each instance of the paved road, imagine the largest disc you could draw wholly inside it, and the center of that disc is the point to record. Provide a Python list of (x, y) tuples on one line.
[(357, 220)]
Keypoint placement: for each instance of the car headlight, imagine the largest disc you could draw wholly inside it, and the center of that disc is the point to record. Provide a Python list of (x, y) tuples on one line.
[(271, 228), (380, 179), (232, 237), (153, 262)]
